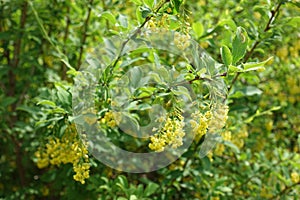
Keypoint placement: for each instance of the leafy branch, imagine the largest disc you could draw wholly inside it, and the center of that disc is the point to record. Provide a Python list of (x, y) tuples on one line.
[(274, 13), (156, 10), (285, 190), (256, 174)]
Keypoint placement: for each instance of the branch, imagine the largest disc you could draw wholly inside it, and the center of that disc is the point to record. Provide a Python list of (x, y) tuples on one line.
[(84, 36), (68, 21), (257, 174), (12, 83), (285, 190), (249, 53), (16, 56), (160, 5)]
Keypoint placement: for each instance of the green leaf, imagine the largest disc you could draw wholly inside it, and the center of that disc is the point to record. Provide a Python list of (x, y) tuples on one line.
[(135, 75), (123, 184), (251, 90), (123, 20), (234, 69), (47, 103), (151, 189), (26, 109), (252, 66), (226, 55), (66, 62), (108, 16), (133, 197), (201, 72), (239, 45), (149, 3), (137, 2), (144, 106), (7, 101), (122, 198), (176, 4), (123, 181), (258, 113), (62, 94), (293, 21), (145, 11), (138, 14), (229, 22), (198, 29), (182, 91), (232, 146)]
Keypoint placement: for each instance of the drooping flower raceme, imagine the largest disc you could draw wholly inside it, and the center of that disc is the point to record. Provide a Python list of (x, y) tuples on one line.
[(68, 149), (170, 134), (200, 123)]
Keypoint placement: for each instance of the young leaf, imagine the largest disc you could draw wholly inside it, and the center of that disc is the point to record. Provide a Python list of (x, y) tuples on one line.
[(233, 69), (182, 91), (255, 65), (226, 55), (138, 13), (149, 3), (123, 20), (108, 16), (150, 189), (198, 29), (47, 103), (239, 44)]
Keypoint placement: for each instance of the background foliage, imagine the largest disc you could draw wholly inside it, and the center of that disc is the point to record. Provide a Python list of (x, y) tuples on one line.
[(259, 155)]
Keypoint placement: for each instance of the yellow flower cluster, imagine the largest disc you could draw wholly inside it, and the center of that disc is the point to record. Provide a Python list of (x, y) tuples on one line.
[(220, 148), (293, 50), (238, 139), (110, 119), (171, 134), (68, 149), (295, 177), (219, 118), (293, 83), (158, 24), (182, 41), (199, 123)]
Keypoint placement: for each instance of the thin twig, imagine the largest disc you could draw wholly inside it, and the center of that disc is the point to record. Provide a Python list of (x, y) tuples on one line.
[(160, 5), (68, 22), (84, 36)]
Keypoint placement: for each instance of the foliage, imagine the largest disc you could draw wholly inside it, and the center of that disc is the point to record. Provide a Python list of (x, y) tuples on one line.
[(44, 43)]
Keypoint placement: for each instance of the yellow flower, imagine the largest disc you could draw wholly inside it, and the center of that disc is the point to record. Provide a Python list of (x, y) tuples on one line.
[(68, 149), (295, 177), (181, 41), (257, 15), (219, 118), (200, 123), (226, 135), (111, 119), (269, 125), (45, 191), (219, 149), (170, 134), (282, 53)]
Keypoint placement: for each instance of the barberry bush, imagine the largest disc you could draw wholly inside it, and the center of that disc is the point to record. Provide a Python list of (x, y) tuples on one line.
[(245, 80)]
